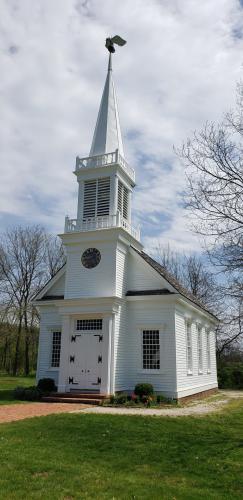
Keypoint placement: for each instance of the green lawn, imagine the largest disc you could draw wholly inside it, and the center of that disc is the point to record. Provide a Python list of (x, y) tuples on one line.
[(8, 383), (123, 457)]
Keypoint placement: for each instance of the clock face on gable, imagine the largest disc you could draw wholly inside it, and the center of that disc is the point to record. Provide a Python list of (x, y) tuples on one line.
[(91, 258)]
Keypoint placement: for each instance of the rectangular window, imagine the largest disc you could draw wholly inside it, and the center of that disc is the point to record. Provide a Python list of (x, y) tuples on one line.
[(89, 324), (122, 200), (208, 353), (56, 349), (200, 357), (96, 198), (189, 347), (151, 350)]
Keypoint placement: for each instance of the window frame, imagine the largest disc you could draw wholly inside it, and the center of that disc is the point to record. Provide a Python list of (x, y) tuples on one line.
[(53, 332), (208, 350), (199, 349), (141, 329), (188, 329)]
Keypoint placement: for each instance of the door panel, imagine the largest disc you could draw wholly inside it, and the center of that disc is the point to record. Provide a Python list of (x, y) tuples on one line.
[(85, 370)]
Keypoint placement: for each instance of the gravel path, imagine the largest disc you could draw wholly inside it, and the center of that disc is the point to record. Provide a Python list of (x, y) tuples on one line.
[(196, 408)]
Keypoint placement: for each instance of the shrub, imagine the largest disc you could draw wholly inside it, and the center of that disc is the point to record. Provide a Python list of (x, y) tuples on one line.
[(18, 393), (121, 398), (27, 393), (161, 399), (32, 394), (143, 390), (47, 385)]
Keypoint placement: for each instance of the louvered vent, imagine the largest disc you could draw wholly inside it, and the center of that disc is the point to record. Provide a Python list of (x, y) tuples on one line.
[(96, 198), (89, 199), (122, 203), (103, 199)]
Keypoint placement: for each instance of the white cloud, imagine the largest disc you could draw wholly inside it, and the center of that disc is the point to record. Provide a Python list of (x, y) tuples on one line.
[(178, 70)]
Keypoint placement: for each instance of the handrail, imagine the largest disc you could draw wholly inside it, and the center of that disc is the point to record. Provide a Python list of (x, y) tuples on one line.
[(105, 160), (103, 222)]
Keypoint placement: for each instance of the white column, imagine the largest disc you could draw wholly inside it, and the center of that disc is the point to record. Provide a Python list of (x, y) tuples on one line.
[(80, 200), (64, 357), (113, 194), (129, 206), (107, 369)]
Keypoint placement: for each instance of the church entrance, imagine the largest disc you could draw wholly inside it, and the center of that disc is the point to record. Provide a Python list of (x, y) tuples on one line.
[(85, 359)]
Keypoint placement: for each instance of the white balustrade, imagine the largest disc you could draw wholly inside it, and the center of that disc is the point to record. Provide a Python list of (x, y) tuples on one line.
[(104, 222), (103, 161)]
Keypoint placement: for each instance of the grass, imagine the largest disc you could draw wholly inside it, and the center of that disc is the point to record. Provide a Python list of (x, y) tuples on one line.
[(8, 383), (82, 456)]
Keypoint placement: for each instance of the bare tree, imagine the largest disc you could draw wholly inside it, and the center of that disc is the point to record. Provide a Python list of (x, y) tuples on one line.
[(54, 255), (214, 163), (192, 272), (28, 257)]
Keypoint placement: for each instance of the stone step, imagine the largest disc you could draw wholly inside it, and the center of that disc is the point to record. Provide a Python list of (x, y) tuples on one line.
[(86, 401)]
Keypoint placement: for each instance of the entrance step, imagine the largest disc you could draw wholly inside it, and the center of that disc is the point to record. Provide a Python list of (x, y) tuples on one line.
[(90, 395), (84, 401), (77, 397)]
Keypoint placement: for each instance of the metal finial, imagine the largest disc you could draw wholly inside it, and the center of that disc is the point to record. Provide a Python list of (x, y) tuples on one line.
[(109, 43)]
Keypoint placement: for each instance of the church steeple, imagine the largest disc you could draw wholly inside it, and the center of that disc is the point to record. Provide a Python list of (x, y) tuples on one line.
[(105, 179), (107, 135)]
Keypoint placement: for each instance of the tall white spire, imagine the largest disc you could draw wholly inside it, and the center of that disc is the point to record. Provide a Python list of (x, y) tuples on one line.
[(107, 135)]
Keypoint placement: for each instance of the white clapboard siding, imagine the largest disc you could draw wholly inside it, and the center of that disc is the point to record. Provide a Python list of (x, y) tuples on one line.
[(58, 287), (129, 370), (186, 383), (141, 276), (49, 321), (97, 282), (121, 272)]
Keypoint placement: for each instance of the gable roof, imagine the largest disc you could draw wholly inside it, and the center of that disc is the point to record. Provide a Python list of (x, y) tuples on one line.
[(172, 281), (40, 294)]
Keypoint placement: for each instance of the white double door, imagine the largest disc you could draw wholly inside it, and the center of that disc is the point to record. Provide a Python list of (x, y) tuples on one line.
[(85, 361)]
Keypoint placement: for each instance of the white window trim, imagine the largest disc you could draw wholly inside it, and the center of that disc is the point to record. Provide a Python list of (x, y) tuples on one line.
[(142, 370), (188, 324), (208, 348), (54, 368), (199, 349)]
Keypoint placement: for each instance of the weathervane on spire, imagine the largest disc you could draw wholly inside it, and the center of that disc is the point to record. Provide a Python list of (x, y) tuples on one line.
[(109, 43)]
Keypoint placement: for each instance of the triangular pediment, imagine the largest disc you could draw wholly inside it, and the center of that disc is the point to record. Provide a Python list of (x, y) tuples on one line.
[(55, 287)]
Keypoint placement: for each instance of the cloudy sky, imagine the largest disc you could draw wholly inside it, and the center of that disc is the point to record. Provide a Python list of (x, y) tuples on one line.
[(179, 68)]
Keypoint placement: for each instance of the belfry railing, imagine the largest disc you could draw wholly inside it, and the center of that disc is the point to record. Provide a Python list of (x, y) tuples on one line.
[(104, 161), (104, 222)]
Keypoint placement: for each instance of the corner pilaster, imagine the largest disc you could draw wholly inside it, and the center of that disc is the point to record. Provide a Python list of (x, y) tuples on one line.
[(64, 356)]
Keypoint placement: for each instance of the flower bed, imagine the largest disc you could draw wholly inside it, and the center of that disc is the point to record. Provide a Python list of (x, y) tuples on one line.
[(143, 396)]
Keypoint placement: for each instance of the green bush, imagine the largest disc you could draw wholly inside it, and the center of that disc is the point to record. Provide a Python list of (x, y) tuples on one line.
[(18, 393), (47, 385), (161, 399), (121, 399), (27, 393), (143, 390)]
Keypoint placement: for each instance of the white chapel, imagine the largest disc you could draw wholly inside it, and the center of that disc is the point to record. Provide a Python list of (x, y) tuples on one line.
[(112, 316)]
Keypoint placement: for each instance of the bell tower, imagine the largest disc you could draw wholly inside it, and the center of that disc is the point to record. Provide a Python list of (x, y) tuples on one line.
[(105, 179)]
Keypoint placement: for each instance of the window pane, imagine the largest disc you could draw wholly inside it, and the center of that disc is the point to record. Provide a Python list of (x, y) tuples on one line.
[(89, 324), (56, 349), (151, 350)]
